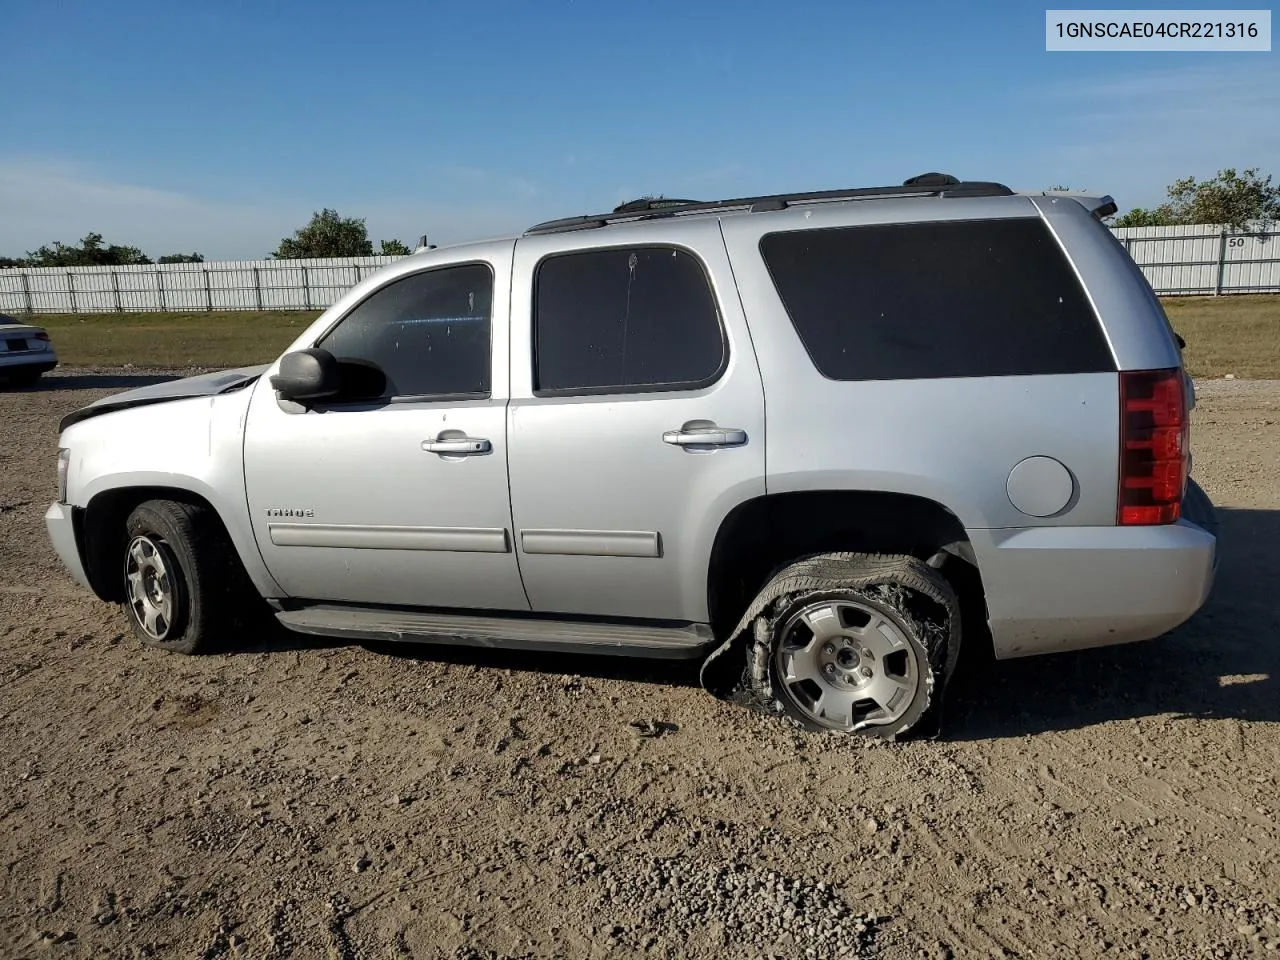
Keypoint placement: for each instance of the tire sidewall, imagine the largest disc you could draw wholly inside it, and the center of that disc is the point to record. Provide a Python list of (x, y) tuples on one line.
[(786, 703), (148, 522)]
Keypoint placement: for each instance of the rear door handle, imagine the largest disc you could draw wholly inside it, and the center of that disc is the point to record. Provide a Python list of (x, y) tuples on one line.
[(706, 437), (458, 445)]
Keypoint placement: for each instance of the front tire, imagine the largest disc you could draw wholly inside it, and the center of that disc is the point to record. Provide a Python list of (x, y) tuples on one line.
[(179, 576)]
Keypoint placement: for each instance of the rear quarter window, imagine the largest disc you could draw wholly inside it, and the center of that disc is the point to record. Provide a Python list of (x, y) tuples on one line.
[(971, 298)]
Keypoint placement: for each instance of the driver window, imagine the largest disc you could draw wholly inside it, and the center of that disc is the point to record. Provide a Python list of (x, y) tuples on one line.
[(427, 333)]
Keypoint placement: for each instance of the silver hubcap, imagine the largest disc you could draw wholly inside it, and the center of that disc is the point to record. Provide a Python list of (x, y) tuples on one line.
[(150, 587), (846, 665)]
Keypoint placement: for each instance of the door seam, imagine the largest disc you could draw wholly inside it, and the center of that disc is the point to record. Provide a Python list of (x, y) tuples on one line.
[(507, 417)]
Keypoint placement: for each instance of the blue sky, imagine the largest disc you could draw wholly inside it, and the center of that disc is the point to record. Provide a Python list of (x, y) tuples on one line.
[(220, 127)]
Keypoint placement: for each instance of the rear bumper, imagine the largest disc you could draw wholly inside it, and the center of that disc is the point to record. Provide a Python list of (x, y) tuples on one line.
[(1051, 589), (59, 520), (42, 360)]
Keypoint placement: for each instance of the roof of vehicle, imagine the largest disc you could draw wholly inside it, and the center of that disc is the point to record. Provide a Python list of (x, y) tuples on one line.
[(924, 186)]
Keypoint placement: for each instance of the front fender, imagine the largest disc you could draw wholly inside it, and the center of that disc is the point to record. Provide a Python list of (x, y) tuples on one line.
[(191, 445)]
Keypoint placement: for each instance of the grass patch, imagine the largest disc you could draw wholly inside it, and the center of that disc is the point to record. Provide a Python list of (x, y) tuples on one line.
[(169, 341), (1233, 334)]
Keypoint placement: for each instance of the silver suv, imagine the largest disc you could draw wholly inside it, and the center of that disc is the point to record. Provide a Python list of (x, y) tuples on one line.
[(817, 440)]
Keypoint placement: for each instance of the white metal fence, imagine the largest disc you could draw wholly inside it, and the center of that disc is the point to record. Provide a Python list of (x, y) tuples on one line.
[(1205, 260), (221, 285), (1176, 260)]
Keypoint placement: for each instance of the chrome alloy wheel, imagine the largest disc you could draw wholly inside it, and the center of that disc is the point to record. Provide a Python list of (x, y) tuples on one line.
[(846, 665), (152, 593)]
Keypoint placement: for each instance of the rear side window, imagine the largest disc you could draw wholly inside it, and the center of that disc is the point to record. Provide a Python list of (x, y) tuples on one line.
[(624, 319), (971, 298)]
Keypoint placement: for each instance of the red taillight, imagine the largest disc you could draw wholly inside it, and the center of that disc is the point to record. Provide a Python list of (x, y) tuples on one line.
[(1154, 446), (42, 336)]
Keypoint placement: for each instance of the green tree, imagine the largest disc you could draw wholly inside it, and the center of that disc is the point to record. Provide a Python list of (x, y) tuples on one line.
[(1229, 198), (394, 248), (181, 258), (92, 252), (1142, 217), (327, 235), (12, 262), (1241, 201)]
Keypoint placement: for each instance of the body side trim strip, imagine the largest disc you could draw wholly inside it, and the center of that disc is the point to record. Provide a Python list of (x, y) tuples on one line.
[(354, 537), (592, 543)]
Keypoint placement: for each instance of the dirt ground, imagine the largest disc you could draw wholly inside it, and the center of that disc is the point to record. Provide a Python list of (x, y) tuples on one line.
[(305, 799)]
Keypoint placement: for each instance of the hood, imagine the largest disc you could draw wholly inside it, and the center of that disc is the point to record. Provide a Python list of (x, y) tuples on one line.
[(204, 385)]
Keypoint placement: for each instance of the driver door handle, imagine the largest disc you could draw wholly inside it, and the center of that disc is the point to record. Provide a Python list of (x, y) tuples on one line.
[(458, 445), (706, 437)]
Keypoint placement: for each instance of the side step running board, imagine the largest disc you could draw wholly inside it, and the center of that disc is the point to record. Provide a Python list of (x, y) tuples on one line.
[(645, 639)]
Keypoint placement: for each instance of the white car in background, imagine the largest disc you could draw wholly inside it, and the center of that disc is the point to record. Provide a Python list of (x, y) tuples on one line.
[(25, 352)]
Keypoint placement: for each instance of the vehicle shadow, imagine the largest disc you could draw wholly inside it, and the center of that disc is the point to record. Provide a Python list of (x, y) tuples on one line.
[(267, 635), (1224, 663), (671, 673)]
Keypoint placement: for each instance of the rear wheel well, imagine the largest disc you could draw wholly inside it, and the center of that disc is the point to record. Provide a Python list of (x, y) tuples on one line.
[(102, 530), (763, 535)]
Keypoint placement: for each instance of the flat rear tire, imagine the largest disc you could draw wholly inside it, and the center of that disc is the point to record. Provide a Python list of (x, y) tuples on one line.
[(847, 661)]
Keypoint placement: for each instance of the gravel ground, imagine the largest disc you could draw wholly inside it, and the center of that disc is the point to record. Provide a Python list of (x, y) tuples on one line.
[(303, 799)]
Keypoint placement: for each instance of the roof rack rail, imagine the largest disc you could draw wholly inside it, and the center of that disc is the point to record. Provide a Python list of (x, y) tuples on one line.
[(925, 185), (931, 180), (651, 203)]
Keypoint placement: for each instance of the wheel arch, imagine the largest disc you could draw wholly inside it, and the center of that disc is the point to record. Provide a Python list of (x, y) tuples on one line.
[(100, 531), (765, 533)]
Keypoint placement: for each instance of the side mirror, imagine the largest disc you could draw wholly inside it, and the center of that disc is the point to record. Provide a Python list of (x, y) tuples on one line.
[(306, 375)]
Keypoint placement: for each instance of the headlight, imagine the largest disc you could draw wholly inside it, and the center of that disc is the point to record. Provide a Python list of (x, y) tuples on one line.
[(64, 461)]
